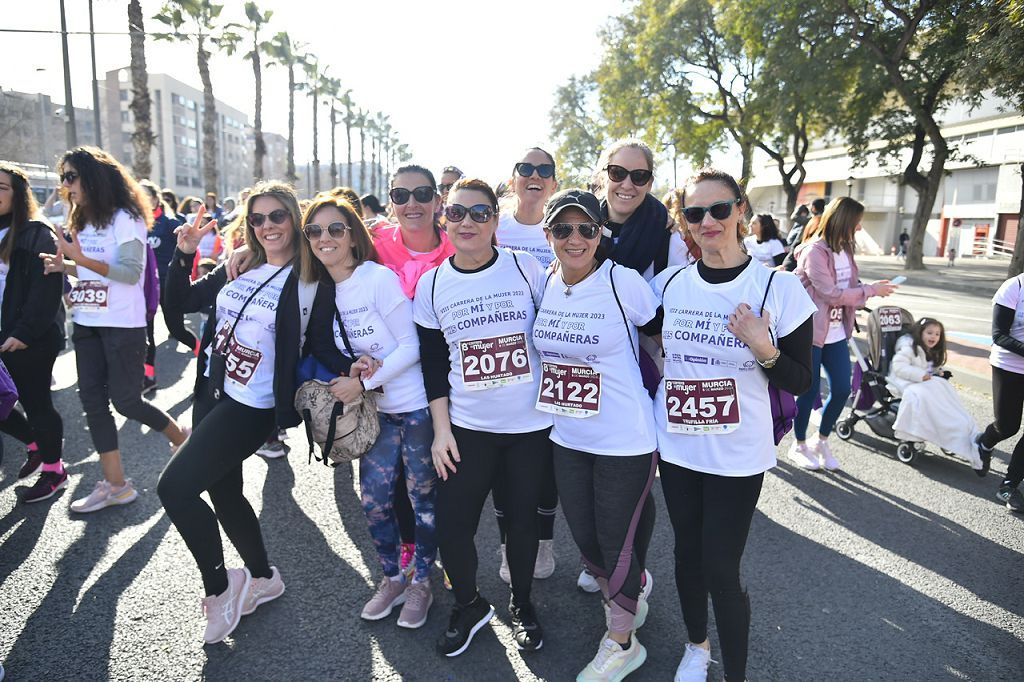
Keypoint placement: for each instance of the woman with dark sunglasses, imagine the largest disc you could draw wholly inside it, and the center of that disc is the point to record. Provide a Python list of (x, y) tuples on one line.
[(715, 426), (368, 316), (474, 314), (31, 333), (586, 335), (108, 223), (245, 389)]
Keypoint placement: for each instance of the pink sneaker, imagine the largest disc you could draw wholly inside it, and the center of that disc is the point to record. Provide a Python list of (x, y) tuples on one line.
[(262, 590), (390, 593), (418, 599), (223, 611), (803, 456)]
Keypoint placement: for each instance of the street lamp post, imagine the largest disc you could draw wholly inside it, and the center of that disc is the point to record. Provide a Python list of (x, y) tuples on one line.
[(849, 186), (95, 83), (69, 107)]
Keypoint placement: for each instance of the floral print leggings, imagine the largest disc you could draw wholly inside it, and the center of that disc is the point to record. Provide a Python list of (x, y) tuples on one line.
[(403, 438)]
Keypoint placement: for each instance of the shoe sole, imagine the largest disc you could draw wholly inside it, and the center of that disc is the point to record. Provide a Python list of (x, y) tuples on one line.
[(238, 611), (588, 590), (63, 484), (520, 647), (472, 633), (544, 574), (630, 667), (109, 502), (263, 600), (398, 601), (31, 473), (415, 626)]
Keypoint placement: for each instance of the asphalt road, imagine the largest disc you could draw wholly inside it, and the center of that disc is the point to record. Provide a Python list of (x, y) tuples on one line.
[(881, 572)]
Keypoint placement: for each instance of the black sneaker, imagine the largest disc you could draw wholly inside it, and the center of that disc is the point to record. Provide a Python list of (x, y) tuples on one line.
[(986, 457), (149, 385), (463, 624), (32, 466), (525, 628), (46, 487), (1012, 497)]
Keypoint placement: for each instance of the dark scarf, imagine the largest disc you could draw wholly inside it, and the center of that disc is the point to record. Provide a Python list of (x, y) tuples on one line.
[(641, 238)]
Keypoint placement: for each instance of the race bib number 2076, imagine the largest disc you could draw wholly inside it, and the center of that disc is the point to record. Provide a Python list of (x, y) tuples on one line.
[(496, 361)]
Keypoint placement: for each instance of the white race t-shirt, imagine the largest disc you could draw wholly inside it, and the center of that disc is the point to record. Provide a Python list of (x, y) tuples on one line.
[(1010, 295), (836, 329), (365, 301), (591, 381), (487, 317), (764, 252), (250, 363), (678, 254), (518, 236), (102, 302), (4, 268), (721, 418)]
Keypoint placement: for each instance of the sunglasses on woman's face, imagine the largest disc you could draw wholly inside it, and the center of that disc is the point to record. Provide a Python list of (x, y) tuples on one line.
[(720, 210), (480, 213), (640, 176), (336, 230), (277, 216), (544, 170), (400, 195), (564, 230), (68, 178)]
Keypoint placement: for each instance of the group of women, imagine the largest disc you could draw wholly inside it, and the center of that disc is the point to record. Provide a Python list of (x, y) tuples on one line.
[(546, 347)]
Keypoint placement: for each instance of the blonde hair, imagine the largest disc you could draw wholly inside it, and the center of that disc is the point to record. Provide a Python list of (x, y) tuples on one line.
[(302, 262)]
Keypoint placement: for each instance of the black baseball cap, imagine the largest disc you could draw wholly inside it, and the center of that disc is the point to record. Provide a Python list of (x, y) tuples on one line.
[(573, 198)]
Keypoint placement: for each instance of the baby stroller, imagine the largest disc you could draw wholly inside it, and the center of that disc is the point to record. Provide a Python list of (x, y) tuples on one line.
[(871, 401)]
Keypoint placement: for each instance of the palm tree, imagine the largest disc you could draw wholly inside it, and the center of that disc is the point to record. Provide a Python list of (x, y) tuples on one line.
[(230, 41), (141, 106), (283, 51), (330, 87), (374, 132), (392, 146), (383, 135), (346, 101), (402, 153), (201, 17), (311, 65), (361, 122)]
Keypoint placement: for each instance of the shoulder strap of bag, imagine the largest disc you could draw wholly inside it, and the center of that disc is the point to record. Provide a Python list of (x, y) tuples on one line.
[(665, 288), (615, 293), (307, 294), (344, 335), (433, 290), (765, 300), (529, 287), (231, 335)]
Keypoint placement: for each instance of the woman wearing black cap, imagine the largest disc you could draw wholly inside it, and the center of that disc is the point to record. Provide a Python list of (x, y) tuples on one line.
[(474, 314), (586, 334)]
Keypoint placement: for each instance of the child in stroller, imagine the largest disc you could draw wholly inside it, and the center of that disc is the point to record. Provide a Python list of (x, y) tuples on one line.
[(895, 398)]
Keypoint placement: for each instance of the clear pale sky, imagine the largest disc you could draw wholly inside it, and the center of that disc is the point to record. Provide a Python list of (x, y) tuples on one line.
[(465, 82)]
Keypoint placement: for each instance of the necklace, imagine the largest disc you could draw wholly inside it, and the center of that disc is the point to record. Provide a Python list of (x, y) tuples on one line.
[(568, 287)]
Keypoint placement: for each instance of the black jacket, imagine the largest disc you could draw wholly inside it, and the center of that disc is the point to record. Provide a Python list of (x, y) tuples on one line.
[(185, 296), (33, 306)]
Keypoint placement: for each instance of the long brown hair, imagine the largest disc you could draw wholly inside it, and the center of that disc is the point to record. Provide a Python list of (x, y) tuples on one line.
[(839, 223), (23, 208), (108, 187), (936, 355), (362, 243), (302, 263)]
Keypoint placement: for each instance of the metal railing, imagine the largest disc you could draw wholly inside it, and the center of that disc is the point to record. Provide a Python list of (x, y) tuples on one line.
[(992, 248)]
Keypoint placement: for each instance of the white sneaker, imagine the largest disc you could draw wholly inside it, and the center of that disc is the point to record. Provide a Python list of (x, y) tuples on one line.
[(545, 565), (803, 456), (694, 666), (105, 495), (223, 611), (503, 572), (822, 450), (262, 590), (587, 582), (273, 450), (612, 662)]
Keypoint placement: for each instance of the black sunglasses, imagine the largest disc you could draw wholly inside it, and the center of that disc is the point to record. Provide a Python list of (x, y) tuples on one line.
[(719, 210), (277, 216), (480, 213), (564, 230), (68, 177), (444, 187), (545, 170), (336, 230), (400, 195), (640, 176)]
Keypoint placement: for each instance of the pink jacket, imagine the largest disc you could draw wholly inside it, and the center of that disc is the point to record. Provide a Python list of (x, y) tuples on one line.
[(409, 267), (816, 268)]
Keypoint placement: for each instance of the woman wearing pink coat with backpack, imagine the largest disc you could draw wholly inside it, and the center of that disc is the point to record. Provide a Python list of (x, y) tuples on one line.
[(829, 273)]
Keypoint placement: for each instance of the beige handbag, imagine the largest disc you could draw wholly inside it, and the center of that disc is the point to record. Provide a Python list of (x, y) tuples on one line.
[(344, 431)]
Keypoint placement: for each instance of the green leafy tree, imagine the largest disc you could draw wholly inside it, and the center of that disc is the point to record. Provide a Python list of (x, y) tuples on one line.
[(285, 52), (197, 22), (230, 42), (577, 129)]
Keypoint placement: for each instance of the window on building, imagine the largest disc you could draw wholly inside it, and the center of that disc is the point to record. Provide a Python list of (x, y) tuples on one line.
[(124, 95)]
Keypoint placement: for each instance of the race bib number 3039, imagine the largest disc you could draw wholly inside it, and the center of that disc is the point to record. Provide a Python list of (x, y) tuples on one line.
[(90, 295), (708, 406), (569, 390), (496, 361)]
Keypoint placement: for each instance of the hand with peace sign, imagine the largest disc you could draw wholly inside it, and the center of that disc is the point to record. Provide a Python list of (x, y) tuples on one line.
[(190, 234)]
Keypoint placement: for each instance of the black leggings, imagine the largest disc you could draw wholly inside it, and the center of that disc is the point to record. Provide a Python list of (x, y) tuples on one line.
[(1007, 404), (226, 433), (518, 460), (711, 518), (545, 510), (32, 370)]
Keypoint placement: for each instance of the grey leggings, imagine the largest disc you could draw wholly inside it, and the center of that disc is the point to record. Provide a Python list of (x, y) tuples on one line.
[(110, 369)]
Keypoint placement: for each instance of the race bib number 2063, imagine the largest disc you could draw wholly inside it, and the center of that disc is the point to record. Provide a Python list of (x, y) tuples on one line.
[(702, 405)]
